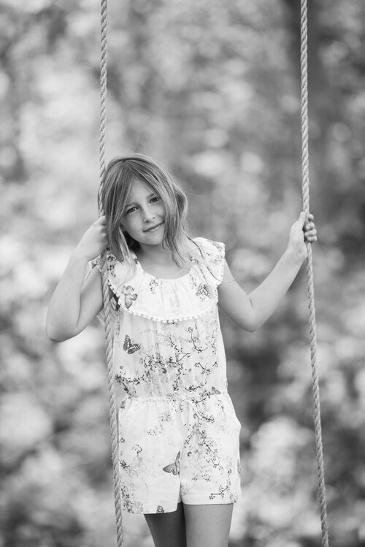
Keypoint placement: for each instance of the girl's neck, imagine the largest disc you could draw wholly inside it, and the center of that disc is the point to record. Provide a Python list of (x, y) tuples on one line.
[(159, 262), (154, 253)]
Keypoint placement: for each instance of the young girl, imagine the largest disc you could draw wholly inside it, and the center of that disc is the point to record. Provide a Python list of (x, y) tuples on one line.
[(178, 431)]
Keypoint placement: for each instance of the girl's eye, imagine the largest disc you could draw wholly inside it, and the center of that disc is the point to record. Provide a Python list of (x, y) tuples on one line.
[(155, 198), (130, 210)]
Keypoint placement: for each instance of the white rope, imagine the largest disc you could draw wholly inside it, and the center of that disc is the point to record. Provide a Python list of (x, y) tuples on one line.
[(309, 270), (106, 307)]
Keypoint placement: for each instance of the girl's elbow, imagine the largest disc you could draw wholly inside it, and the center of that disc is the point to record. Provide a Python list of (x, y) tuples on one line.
[(250, 327), (56, 335), (255, 325), (245, 324), (251, 324)]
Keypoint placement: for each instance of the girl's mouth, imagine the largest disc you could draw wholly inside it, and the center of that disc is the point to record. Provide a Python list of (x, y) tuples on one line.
[(154, 228)]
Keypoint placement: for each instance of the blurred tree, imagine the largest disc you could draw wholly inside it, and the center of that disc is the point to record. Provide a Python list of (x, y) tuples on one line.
[(211, 89)]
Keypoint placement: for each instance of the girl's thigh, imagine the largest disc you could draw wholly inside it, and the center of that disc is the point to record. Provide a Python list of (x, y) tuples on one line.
[(208, 525), (168, 529)]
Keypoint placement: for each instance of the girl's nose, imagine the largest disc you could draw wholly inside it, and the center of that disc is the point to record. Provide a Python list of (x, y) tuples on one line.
[(148, 215)]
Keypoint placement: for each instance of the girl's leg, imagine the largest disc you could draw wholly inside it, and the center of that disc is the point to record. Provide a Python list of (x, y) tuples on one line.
[(208, 525), (168, 529)]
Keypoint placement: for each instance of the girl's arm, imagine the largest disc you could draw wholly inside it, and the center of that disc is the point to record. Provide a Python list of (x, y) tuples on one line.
[(250, 311), (77, 301)]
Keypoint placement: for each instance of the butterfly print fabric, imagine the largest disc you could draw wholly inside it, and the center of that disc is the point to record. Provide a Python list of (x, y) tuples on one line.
[(128, 346), (178, 431), (173, 467)]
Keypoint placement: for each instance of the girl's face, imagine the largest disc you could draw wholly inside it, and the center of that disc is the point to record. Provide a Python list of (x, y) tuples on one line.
[(144, 214)]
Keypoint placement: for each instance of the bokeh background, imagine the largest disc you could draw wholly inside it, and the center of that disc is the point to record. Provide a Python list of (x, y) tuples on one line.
[(211, 89)]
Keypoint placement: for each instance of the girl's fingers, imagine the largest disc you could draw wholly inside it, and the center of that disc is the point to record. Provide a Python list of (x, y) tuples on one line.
[(310, 232), (311, 236), (306, 223)]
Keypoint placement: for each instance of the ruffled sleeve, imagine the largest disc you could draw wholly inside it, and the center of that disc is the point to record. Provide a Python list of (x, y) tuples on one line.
[(95, 263), (117, 272), (213, 256)]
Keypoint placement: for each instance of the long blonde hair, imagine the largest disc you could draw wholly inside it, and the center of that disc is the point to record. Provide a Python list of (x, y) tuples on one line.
[(117, 183)]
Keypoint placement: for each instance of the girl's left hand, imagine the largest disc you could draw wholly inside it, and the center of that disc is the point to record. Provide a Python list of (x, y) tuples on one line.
[(301, 233)]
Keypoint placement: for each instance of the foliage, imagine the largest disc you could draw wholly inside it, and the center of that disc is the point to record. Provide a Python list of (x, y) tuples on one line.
[(211, 89)]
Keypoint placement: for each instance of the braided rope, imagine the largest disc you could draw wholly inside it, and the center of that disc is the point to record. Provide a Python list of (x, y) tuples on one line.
[(106, 307), (103, 92), (309, 270)]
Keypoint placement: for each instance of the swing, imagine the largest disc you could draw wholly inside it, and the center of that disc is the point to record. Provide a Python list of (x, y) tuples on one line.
[(309, 272)]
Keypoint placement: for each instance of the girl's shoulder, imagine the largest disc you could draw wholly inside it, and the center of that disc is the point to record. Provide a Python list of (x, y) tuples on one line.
[(118, 272), (209, 247), (211, 255)]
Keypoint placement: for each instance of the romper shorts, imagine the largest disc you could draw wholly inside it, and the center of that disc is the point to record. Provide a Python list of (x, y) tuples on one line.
[(178, 450)]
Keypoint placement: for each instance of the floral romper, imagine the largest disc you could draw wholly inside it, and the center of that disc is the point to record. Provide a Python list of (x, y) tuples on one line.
[(178, 431)]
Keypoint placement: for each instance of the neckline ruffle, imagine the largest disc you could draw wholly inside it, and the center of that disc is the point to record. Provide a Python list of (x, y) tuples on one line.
[(169, 300), (164, 300), (164, 279)]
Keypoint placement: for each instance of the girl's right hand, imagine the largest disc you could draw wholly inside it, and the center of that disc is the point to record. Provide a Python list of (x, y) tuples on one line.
[(94, 240)]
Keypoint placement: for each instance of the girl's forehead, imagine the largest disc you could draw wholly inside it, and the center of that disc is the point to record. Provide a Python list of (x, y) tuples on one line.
[(139, 188), (138, 183)]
